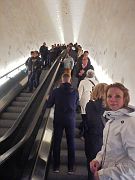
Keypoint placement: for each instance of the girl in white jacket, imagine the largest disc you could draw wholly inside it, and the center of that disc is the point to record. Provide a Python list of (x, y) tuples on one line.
[(116, 160)]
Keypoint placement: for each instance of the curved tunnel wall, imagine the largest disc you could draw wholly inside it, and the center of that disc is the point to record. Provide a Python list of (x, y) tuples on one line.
[(105, 28)]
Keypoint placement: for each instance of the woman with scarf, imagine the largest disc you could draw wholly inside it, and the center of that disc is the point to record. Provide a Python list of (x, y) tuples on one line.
[(116, 160)]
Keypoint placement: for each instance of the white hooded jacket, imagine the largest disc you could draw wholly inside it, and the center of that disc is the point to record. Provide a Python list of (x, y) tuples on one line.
[(117, 156)]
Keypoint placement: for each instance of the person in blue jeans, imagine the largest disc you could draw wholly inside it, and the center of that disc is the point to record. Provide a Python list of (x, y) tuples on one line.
[(65, 98), (34, 67)]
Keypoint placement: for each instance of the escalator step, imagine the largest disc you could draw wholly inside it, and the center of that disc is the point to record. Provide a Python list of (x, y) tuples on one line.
[(10, 116), (78, 117), (3, 131), (80, 173), (80, 157), (78, 123), (4, 123), (23, 94), (17, 103), (22, 99), (14, 109)]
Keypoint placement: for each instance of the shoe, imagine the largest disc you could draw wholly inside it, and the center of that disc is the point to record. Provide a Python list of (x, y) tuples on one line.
[(56, 170), (70, 172)]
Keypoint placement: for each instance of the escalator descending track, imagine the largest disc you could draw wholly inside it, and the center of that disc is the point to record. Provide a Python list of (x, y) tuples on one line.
[(17, 146)]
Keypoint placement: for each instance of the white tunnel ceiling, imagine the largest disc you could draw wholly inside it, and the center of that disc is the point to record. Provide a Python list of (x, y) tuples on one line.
[(104, 27)]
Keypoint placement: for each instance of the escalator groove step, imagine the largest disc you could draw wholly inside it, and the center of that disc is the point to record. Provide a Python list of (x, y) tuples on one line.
[(80, 157), (10, 116), (80, 173), (22, 99), (17, 103), (4, 123), (14, 109), (23, 94)]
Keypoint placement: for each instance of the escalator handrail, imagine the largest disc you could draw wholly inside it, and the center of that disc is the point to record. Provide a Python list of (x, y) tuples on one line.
[(43, 152), (11, 71)]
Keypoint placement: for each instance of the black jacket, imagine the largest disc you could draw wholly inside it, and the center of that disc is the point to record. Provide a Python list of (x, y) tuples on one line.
[(35, 65), (65, 98), (94, 111)]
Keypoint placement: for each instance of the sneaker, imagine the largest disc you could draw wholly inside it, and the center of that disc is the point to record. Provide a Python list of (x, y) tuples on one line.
[(70, 171), (56, 170)]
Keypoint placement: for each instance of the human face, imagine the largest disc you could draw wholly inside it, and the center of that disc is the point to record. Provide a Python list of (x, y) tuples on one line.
[(35, 54), (84, 61), (86, 54), (115, 98)]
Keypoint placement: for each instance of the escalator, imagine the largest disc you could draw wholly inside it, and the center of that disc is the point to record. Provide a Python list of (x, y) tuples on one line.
[(15, 147), (11, 111), (43, 164), (10, 115)]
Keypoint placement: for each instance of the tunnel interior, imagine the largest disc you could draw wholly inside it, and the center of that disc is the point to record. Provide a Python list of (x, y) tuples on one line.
[(104, 28)]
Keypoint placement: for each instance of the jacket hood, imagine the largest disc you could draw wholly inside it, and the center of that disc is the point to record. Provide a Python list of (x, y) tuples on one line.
[(120, 112)]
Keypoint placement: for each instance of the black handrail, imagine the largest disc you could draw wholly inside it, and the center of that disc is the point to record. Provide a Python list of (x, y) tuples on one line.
[(11, 71)]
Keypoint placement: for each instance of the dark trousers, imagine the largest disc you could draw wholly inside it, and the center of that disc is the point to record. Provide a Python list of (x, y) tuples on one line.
[(44, 60), (37, 77), (82, 125), (58, 133), (93, 144), (33, 79)]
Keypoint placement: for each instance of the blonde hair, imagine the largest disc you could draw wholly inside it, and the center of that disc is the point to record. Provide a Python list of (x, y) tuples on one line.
[(99, 91)]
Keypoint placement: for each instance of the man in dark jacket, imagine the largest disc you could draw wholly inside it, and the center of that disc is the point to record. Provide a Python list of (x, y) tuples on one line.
[(34, 67), (44, 53), (65, 98)]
